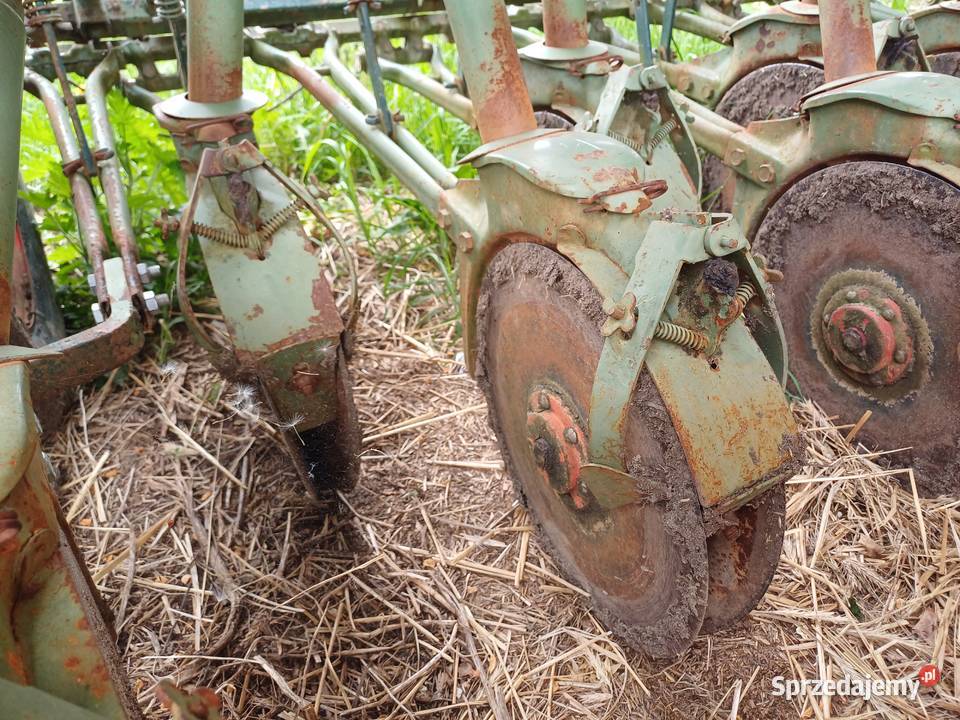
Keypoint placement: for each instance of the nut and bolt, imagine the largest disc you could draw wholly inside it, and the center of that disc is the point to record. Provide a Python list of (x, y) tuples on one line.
[(148, 273), (765, 173), (154, 302), (97, 313)]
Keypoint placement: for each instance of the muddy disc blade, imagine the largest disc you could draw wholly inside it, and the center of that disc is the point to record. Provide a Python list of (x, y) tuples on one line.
[(329, 455), (945, 63), (768, 93), (743, 556), (871, 254), (645, 566)]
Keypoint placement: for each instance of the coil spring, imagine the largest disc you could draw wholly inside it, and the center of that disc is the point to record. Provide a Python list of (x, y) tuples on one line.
[(662, 133), (632, 144), (679, 335), (744, 294), (235, 239), (169, 9)]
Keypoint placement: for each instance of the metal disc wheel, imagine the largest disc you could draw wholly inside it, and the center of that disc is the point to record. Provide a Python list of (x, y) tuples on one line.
[(871, 256), (768, 93), (945, 63), (645, 566), (330, 453), (743, 556)]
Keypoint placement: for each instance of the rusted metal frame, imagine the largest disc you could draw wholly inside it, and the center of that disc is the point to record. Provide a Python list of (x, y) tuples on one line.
[(46, 587), (702, 25), (501, 103), (85, 356), (85, 204), (770, 38), (11, 95), (436, 92), (768, 156), (214, 50), (42, 17), (938, 27), (846, 29), (565, 23), (172, 11), (104, 77), (365, 101)]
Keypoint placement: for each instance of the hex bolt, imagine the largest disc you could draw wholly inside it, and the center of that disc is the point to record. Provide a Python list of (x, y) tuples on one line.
[(148, 272), (570, 435), (888, 314), (851, 295), (91, 281), (372, 119), (97, 313), (900, 357), (154, 302), (765, 173), (826, 318), (544, 401)]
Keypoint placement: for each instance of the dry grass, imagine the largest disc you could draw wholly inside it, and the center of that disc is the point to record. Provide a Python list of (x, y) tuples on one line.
[(428, 596)]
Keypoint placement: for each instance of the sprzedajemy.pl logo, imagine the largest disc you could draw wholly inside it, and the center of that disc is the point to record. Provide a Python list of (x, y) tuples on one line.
[(866, 688)]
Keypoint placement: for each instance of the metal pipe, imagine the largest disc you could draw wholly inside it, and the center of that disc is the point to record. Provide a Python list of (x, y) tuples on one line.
[(488, 56), (11, 97), (692, 22), (565, 23), (365, 100), (214, 50), (450, 100), (411, 174), (643, 33), (85, 205), (105, 76), (846, 31)]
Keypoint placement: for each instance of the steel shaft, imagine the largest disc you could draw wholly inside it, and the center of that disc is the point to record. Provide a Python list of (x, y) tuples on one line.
[(215, 50), (846, 29), (565, 23), (491, 66)]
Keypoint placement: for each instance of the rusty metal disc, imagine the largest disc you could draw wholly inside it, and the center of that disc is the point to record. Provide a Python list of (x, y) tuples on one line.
[(871, 254), (645, 566), (768, 93), (329, 455), (743, 556), (945, 63)]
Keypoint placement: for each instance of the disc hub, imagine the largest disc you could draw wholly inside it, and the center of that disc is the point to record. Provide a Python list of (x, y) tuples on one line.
[(558, 443), (868, 334)]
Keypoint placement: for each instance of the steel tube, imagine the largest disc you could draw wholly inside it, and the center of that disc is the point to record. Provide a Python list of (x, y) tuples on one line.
[(105, 76), (846, 30), (565, 23), (450, 100), (411, 174), (488, 56), (85, 205), (692, 22), (214, 50), (365, 100), (11, 97)]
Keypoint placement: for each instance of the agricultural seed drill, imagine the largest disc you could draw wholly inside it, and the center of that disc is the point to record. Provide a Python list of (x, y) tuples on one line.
[(828, 196), (601, 309)]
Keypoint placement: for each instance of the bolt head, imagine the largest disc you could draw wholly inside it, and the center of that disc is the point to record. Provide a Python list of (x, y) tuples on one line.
[(97, 313), (851, 295), (544, 401), (570, 435), (888, 314), (900, 357)]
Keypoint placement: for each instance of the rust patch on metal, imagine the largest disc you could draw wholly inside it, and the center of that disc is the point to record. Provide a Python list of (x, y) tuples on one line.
[(562, 27)]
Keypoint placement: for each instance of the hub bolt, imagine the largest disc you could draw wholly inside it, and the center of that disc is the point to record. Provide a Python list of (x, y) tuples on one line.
[(851, 295), (853, 340), (570, 435), (888, 314), (544, 401), (900, 357)]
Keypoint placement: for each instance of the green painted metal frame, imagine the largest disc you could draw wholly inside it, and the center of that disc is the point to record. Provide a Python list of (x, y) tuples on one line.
[(537, 186)]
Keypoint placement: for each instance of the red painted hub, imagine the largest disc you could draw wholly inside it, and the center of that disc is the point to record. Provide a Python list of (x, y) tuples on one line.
[(868, 336), (559, 445)]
